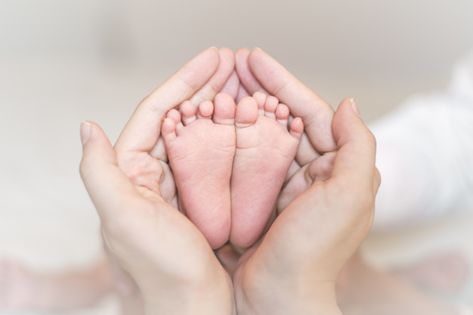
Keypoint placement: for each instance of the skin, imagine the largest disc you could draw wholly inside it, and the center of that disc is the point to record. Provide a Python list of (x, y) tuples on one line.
[(293, 269), (170, 261), (315, 162), (321, 164), (265, 149), (297, 263)]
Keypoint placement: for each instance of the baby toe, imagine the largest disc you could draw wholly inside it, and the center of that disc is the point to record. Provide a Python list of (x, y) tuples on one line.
[(270, 107)]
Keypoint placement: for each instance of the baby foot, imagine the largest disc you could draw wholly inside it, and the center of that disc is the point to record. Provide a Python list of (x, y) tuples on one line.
[(200, 143), (266, 146)]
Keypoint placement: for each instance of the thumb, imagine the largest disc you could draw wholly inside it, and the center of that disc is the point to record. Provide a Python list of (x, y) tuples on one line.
[(355, 159), (106, 184), (95, 144)]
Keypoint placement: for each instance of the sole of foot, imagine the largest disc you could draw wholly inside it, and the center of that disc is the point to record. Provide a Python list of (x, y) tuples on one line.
[(266, 144), (200, 143)]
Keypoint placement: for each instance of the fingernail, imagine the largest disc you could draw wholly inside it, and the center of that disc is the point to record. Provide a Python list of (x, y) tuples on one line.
[(354, 107), (85, 129)]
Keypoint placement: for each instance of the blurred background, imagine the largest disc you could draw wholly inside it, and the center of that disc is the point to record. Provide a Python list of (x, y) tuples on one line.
[(62, 62)]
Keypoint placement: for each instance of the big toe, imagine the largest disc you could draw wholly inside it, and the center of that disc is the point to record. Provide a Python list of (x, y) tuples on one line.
[(224, 112), (246, 112), (168, 129)]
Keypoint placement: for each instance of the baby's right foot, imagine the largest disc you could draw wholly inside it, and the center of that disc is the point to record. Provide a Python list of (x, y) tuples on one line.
[(266, 147), (200, 144)]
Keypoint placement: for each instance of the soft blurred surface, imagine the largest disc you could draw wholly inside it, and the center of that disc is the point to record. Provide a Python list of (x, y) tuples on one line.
[(62, 62)]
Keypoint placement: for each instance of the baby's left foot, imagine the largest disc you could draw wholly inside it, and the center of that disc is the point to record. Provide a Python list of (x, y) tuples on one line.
[(201, 145), (266, 147)]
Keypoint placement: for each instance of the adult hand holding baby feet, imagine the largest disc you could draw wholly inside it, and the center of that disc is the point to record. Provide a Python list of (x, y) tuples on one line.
[(171, 262), (328, 202), (230, 162)]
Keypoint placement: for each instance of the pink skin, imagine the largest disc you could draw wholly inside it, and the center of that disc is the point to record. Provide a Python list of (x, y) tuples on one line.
[(266, 146), (210, 145), (258, 71), (12, 275), (127, 185), (315, 159), (200, 143)]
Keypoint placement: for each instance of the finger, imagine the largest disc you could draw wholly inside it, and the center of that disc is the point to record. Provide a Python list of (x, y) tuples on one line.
[(100, 172), (224, 79), (294, 168), (218, 80), (305, 152), (297, 184), (167, 187), (316, 113), (159, 150), (321, 168), (232, 85), (143, 129), (247, 78), (354, 164), (242, 93)]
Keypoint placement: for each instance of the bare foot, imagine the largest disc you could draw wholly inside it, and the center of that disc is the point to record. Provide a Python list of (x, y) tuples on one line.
[(200, 143), (266, 147)]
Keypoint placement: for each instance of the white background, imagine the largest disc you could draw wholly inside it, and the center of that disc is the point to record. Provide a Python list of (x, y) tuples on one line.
[(62, 62)]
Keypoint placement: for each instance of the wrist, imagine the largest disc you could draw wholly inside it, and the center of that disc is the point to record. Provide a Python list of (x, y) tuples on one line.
[(285, 294), (209, 295)]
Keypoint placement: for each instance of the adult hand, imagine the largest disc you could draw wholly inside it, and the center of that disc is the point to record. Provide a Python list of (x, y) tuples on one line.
[(132, 190), (260, 72), (294, 268)]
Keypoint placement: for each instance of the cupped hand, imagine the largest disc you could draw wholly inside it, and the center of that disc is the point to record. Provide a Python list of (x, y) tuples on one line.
[(132, 189), (327, 211)]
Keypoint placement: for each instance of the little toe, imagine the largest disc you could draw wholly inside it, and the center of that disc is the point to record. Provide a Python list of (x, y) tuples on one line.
[(260, 99), (296, 127), (270, 107), (224, 111), (246, 112), (188, 112), (282, 114), (168, 130), (206, 109)]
